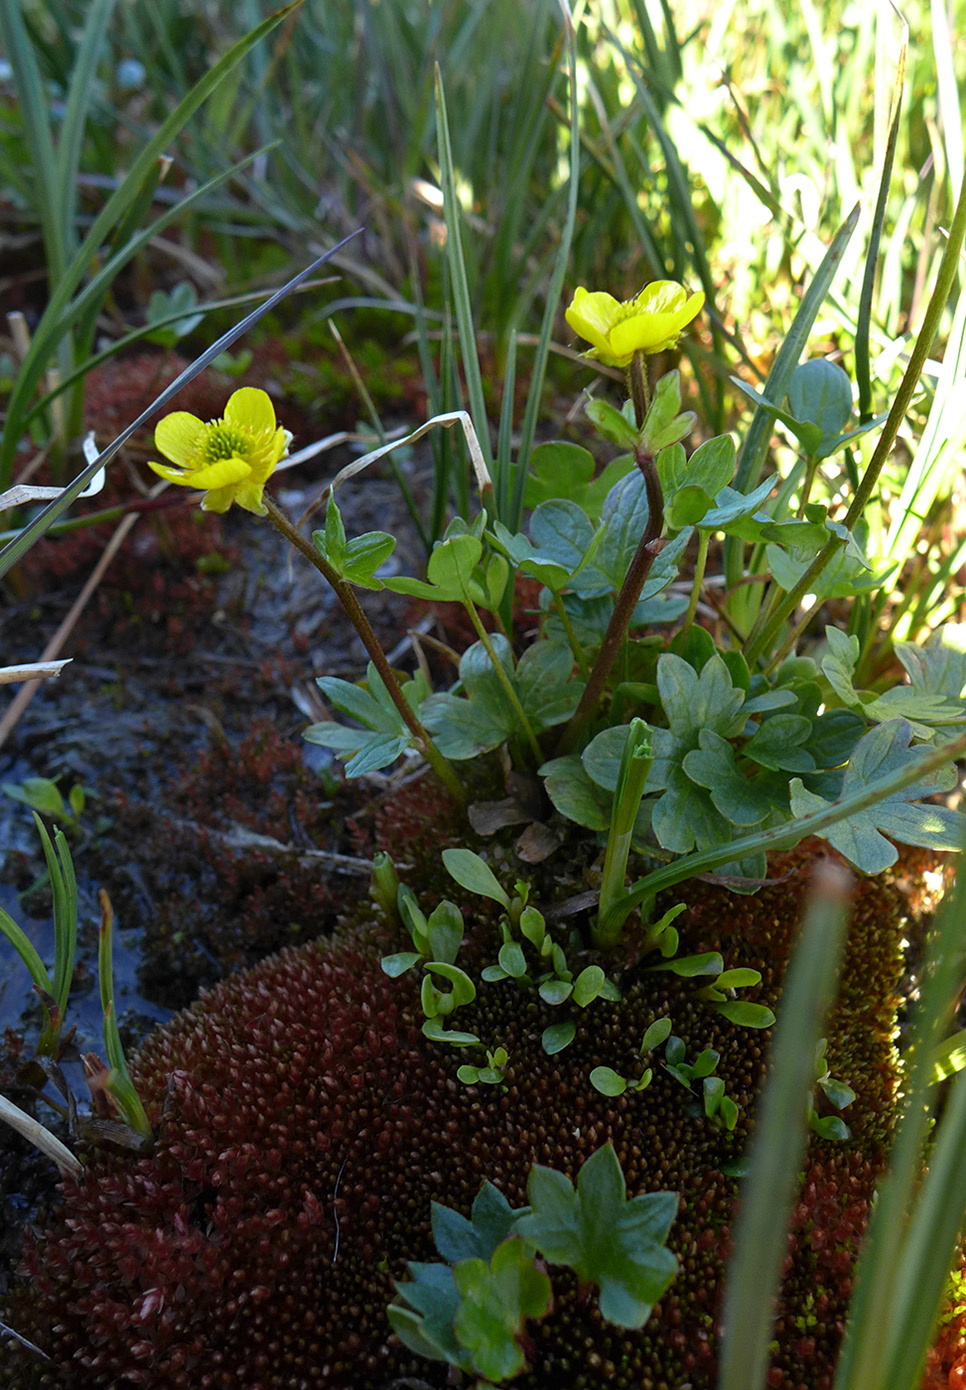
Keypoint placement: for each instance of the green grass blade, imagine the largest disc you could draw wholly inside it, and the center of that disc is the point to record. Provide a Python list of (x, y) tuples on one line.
[(615, 169), (460, 286), (950, 115), (538, 374), (863, 374), (504, 445), (79, 96), (35, 106), (63, 887), (937, 462), (781, 1135), (139, 206), (759, 433), (883, 1278), (24, 948), (931, 1247), (68, 907), (55, 325), (120, 1085)]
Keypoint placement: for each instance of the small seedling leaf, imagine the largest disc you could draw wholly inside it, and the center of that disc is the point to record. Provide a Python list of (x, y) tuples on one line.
[(474, 874), (607, 1081), (557, 1037), (745, 1015)]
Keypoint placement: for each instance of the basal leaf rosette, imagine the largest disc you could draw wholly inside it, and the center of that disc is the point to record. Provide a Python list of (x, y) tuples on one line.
[(230, 459), (649, 323)]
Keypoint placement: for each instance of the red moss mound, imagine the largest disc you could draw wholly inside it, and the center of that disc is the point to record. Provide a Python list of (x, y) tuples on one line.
[(304, 1126)]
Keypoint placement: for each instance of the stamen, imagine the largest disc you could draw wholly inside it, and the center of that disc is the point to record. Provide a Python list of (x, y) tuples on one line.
[(224, 441)]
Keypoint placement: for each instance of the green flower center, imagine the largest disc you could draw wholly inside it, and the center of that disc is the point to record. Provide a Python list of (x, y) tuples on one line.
[(224, 441), (628, 310)]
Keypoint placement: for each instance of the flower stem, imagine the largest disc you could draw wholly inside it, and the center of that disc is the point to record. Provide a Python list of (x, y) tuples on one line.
[(568, 628), (704, 540), (504, 680), (636, 763), (637, 383), (363, 627), (620, 619)]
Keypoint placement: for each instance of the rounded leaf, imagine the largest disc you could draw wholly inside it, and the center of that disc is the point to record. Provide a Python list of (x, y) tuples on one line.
[(607, 1081)]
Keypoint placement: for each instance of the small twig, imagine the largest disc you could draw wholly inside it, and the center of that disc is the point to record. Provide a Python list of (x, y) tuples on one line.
[(29, 1346), (33, 671), (35, 1133), (237, 837)]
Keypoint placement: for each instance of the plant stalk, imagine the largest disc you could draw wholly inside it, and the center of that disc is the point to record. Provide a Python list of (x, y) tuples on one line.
[(701, 560), (504, 680), (360, 622), (620, 619), (636, 764)]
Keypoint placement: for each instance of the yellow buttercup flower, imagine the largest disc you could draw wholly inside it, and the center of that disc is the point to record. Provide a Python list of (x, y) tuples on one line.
[(230, 459), (650, 323)]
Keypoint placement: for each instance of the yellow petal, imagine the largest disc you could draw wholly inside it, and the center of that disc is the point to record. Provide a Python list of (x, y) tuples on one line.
[(652, 331), (693, 305), (219, 500), (251, 409), (221, 473), (172, 475), (592, 315), (249, 496), (660, 297), (176, 435), (644, 333)]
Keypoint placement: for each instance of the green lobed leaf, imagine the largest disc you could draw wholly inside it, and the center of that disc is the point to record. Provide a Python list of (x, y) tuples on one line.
[(740, 800), (922, 707), (663, 425), (574, 794), (385, 734), (617, 1244), (778, 744), (497, 1299), (614, 426), (561, 470), (425, 1327), (939, 666), (450, 573), (809, 435), (860, 838), (733, 511)]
